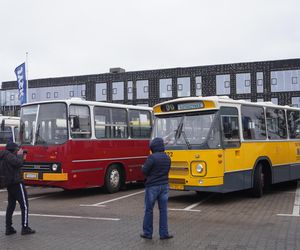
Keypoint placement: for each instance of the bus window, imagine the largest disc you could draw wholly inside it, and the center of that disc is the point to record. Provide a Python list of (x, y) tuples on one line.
[(230, 127), (213, 140), (102, 122), (253, 121), (119, 123), (80, 121), (276, 124), (294, 123), (140, 124)]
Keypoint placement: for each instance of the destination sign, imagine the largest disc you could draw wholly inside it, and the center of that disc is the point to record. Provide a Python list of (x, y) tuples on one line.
[(190, 105), (182, 106)]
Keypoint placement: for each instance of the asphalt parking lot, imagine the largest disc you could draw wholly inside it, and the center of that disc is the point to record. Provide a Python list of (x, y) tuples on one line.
[(93, 219)]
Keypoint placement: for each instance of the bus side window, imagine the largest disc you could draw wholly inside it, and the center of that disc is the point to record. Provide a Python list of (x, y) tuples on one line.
[(230, 127), (80, 121)]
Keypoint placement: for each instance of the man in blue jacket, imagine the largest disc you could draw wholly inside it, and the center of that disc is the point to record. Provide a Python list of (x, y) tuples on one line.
[(156, 169)]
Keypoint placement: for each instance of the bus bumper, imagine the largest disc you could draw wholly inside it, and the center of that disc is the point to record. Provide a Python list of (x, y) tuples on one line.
[(195, 183), (32, 176)]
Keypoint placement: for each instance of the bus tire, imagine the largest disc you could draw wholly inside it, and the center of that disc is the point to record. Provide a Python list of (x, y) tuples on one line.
[(113, 179), (258, 182)]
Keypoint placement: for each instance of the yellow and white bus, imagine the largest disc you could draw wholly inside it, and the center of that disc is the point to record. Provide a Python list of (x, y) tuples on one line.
[(218, 144)]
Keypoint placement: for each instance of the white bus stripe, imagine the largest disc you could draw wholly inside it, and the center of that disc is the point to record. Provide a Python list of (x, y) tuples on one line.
[(112, 159)]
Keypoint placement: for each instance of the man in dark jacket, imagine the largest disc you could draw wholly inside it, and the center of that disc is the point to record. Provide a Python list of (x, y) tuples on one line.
[(16, 189), (156, 169)]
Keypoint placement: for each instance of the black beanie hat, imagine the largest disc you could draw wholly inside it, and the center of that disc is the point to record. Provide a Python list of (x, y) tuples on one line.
[(11, 146)]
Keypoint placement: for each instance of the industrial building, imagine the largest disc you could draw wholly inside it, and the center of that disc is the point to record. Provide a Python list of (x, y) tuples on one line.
[(276, 81)]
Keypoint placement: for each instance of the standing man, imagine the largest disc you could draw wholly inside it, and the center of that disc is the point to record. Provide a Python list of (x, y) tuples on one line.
[(156, 169), (9, 159)]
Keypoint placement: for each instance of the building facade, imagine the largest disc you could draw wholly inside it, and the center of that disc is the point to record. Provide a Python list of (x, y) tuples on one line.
[(276, 81)]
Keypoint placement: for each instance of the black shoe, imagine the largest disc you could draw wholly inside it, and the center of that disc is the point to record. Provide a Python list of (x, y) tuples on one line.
[(10, 230), (166, 237), (146, 236), (27, 230)]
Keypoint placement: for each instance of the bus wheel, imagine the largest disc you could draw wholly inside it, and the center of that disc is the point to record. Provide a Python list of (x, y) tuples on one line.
[(113, 179), (258, 182)]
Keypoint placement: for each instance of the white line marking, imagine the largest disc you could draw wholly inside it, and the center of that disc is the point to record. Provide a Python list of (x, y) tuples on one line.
[(297, 200), (200, 202), (37, 197), (183, 209), (108, 201), (2, 213), (192, 206), (288, 215), (3, 190), (296, 208), (87, 205)]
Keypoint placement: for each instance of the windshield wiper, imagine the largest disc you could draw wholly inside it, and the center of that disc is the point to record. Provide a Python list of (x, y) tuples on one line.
[(186, 139), (38, 138), (179, 131)]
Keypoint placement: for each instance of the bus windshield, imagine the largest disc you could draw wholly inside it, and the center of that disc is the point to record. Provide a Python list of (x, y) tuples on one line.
[(197, 130), (44, 124)]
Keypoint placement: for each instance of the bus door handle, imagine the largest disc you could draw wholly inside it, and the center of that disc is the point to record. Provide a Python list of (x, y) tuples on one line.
[(237, 153)]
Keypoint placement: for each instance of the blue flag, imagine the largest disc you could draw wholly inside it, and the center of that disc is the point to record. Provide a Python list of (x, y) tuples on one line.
[(21, 79)]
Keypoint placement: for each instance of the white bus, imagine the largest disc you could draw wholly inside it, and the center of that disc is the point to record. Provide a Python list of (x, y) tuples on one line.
[(9, 129)]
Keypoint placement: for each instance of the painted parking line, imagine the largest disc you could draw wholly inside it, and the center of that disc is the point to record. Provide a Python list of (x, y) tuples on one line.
[(101, 204), (190, 208), (2, 213), (296, 208), (38, 197)]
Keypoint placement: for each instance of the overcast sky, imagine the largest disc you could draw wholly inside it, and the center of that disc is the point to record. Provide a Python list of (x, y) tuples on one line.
[(72, 37)]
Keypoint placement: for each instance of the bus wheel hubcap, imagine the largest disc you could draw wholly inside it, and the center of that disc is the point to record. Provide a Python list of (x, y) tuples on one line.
[(114, 178)]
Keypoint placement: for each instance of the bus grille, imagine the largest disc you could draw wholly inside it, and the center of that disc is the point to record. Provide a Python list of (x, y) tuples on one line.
[(179, 168)]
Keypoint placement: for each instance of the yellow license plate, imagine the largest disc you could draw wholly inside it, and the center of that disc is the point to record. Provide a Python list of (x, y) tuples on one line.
[(176, 186), (31, 176)]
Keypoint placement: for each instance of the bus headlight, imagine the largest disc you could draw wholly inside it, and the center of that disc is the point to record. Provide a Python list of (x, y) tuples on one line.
[(54, 167), (199, 168)]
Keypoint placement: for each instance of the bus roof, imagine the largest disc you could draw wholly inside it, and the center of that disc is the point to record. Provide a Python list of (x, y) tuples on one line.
[(217, 102), (91, 103)]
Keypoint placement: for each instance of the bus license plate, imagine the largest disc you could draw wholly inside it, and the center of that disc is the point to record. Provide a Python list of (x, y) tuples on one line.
[(31, 176), (176, 186)]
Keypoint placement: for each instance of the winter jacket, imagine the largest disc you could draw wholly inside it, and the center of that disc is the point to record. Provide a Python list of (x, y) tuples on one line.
[(157, 166), (13, 166)]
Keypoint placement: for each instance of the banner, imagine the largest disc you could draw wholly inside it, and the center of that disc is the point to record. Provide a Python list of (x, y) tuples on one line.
[(21, 79)]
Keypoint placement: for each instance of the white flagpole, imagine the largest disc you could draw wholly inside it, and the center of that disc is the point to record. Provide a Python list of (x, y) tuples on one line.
[(27, 77)]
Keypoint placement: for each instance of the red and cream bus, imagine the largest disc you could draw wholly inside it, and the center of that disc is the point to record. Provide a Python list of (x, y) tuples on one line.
[(9, 129), (76, 144)]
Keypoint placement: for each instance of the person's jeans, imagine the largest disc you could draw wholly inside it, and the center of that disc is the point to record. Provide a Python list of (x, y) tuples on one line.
[(159, 193)]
